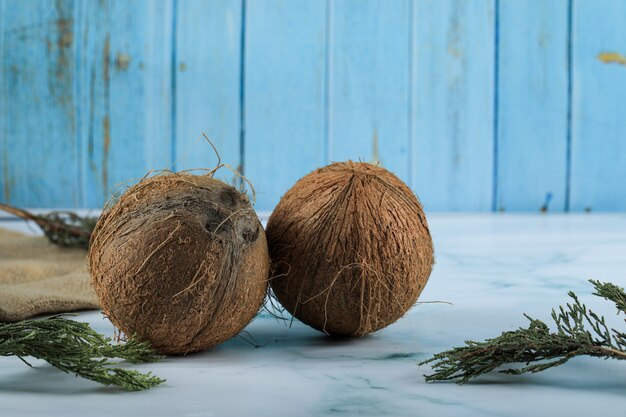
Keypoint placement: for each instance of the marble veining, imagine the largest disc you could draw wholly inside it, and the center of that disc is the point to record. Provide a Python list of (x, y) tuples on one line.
[(491, 268)]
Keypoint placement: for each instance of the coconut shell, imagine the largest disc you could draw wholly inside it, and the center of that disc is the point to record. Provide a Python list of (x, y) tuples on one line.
[(350, 249), (180, 261)]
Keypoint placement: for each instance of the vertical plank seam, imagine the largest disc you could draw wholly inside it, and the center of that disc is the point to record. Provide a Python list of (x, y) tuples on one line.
[(410, 99), (242, 90), (496, 103), (327, 83), (89, 176), (570, 69), (79, 197), (106, 122), (173, 86), (3, 138)]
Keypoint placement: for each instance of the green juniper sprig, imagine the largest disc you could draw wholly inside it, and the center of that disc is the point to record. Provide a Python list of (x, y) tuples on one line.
[(611, 292), (74, 347), (63, 228), (579, 331)]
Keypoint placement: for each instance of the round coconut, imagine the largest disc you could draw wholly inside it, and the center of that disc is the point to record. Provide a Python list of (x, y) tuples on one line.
[(350, 249), (181, 261)]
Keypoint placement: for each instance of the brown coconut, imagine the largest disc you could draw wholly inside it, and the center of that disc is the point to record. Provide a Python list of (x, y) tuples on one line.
[(181, 261), (350, 249)]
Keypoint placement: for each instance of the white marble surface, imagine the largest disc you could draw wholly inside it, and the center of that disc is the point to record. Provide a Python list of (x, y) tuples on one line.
[(491, 267)]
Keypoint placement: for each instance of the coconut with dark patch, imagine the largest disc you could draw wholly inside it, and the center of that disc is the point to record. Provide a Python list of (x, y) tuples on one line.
[(181, 261), (350, 249)]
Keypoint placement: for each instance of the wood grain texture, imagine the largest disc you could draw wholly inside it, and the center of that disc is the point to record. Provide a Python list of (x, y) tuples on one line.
[(598, 124), (208, 58), (532, 105), (5, 189), (126, 97), (453, 95), (476, 104), (40, 160), (285, 78), (369, 78)]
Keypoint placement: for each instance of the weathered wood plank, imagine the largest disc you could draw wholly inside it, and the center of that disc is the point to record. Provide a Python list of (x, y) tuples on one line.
[(4, 177), (369, 83), (598, 171), (285, 82), (208, 41), (532, 105), (38, 104), (126, 96), (453, 106)]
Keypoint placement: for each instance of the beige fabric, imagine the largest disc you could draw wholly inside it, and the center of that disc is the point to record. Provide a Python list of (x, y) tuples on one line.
[(38, 277)]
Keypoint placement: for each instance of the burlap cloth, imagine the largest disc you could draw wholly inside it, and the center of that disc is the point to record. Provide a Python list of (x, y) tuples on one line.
[(37, 277)]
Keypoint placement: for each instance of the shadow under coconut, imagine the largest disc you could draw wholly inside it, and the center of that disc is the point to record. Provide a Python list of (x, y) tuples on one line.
[(268, 331), (267, 338)]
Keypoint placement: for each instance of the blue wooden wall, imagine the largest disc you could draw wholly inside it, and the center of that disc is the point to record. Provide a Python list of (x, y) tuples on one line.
[(479, 105)]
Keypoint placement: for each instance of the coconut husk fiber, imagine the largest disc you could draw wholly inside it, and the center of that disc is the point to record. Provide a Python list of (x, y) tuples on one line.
[(37, 277), (181, 261), (350, 248)]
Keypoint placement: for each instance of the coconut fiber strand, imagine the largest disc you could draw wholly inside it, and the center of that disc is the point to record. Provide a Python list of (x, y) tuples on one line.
[(181, 261), (37, 277), (350, 249)]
